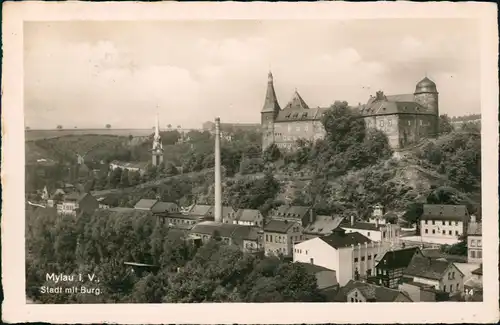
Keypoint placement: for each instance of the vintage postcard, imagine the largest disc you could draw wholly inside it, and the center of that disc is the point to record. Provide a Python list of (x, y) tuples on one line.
[(250, 163)]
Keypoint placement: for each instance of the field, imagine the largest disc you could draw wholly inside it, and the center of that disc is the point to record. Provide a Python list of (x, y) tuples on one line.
[(47, 134)]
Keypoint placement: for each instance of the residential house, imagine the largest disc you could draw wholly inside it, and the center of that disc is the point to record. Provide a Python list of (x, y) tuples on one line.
[(377, 215), (444, 221), (179, 220), (441, 274), (385, 232), (280, 235), (325, 278), (357, 291), (106, 202), (300, 214), (247, 238), (390, 266), (322, 226), (56, 198), (474, 241), (74, 203), (246, 217), (350, 255)]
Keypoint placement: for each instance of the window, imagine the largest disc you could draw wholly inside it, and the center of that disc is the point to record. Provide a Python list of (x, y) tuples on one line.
[(433, 222), (473, 243), (409, 122), (369, 257), (457, 286), (369, 272), (368, 234), (433, 231), (362, 258), (355, 260), (382, 123), (456, 223), (479, 254), (444, 288), (425, 221), (426, 231), (444, 232), (421, 122), (449, 223), (374, 256), (456, 232), (449, 232), (389, 123), (312, 260), (473, 254), (352, 299), (479, 243)]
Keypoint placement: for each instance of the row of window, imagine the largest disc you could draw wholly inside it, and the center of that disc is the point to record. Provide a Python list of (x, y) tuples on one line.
[(356, 300), (475, 243), (181, 221), (299, 251), (441, 223), (451, 275), (444, 232), (363, 258), (282, 239), (476, 254)]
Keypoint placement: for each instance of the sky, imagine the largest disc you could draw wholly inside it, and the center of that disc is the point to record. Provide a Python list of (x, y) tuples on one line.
[(88, 74)]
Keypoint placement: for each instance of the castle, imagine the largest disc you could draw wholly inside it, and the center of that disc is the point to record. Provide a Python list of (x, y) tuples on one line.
[(405, 118)]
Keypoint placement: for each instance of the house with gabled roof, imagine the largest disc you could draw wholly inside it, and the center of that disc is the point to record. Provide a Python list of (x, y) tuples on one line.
[(246, 217), (442, 274), (375, 231), (391, 264), (301, 214), (351, 255), (444, 221), (280, 236), (145, 204)]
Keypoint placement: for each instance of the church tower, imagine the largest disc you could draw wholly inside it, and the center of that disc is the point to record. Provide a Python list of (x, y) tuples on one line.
[(269, 112), (157, 150)]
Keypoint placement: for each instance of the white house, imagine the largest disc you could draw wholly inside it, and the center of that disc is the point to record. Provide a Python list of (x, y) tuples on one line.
[(350, 255), (474, 241), (376, 231), (443, 221)]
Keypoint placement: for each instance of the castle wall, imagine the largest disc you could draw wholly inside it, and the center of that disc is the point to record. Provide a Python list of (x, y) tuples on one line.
[(287, 133), (267, 123), (387, 124), (415, 127)]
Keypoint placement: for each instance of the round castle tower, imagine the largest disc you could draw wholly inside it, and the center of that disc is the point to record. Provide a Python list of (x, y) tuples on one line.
[(426, 94)]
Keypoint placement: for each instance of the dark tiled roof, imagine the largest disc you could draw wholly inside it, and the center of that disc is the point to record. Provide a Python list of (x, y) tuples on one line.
[(475, 228), (369, 291), (427, 267), (478, 271), (425, 85), (279, 226), (311, 268), (145, 204), (339, 238), (236, 232), (309, 114), (399, 258), (437, 254), (292, 211), (271, 102), (444, 212), (361, 225), (247, 215), (163, 207), (200, 209), (296, 102), (323, 225)]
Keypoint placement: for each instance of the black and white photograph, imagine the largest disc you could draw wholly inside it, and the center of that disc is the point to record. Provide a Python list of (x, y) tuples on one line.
[(256, 160)]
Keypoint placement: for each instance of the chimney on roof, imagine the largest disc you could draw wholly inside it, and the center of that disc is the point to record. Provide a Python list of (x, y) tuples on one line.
[(218, 181)]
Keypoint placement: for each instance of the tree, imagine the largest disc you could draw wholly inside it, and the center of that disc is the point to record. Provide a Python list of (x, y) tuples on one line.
[(271, 153), (108, 126), (59, 127), (445, 125), (169, 126)]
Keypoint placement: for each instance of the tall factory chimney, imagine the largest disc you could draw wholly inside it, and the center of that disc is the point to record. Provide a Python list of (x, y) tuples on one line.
[(218, 185)]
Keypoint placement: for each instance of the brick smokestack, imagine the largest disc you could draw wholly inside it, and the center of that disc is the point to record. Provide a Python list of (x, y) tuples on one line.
[(218, 181)]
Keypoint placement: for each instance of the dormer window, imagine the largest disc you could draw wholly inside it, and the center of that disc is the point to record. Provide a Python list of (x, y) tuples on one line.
[(295, 115), (288, 115), (304, 114)]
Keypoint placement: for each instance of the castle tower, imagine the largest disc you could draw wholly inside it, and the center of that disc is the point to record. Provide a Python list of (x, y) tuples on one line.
[(157, 151), (269, 112), (426, 94), (218, 177)]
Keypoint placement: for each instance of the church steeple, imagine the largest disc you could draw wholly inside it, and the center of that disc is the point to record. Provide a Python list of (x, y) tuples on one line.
[(157, 150), (271, 102)]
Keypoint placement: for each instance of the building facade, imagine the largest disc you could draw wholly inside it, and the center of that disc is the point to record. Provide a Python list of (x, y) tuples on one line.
[(474, 241), (279, 237), (444, 221), (405, 119)]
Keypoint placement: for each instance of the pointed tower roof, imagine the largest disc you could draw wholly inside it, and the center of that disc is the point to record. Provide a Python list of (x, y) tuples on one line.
[(296, 102), (271, 102), (157, 125)]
